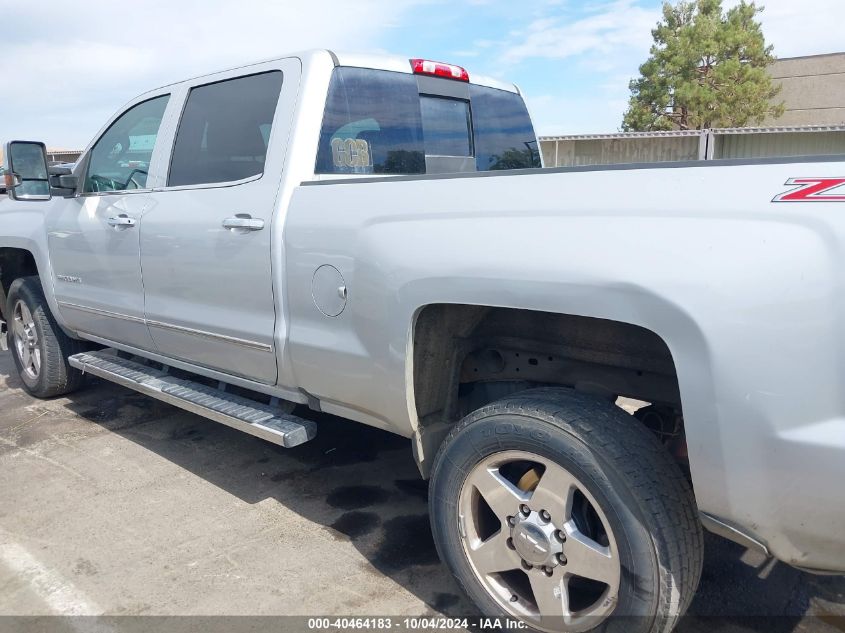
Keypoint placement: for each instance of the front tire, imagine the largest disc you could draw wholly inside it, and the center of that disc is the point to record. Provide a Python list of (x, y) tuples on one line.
[(40, 348), (562, 511)]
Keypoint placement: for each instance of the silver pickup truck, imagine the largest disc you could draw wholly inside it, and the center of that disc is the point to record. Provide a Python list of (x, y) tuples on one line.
[(374, 238)]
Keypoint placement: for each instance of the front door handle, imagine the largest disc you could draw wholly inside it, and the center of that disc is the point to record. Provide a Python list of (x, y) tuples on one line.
[(122, 220), (243, 223)]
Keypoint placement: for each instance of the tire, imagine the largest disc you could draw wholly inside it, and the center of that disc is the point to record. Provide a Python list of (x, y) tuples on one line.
[(30, 321), (612, 493)]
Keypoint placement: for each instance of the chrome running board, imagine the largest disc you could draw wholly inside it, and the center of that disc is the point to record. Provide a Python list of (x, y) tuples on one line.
[(262, 420)]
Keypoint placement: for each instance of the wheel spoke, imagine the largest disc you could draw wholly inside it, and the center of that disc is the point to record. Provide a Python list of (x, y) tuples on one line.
[(26, 315), (588, 559), (554, 493), (17, 329), (551, 596), (494, 555), (36, 360), (26, 358), (501, 495)]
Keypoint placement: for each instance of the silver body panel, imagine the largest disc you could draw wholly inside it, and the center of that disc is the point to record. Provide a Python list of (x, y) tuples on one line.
[(98, 282), (748, 295), (185, 250)]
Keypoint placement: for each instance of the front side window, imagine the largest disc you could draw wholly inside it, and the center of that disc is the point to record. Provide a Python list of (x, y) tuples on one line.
[(371, 124), (225, 130), (120, 160)]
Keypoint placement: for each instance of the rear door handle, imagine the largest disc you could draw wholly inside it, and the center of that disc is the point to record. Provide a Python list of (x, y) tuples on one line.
[(243, 223), (122, 220)]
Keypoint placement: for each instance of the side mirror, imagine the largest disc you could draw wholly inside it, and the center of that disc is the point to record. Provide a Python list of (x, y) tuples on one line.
[(26, 176)]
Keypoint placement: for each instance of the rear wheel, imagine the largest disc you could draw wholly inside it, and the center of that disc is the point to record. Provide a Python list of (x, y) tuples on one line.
[(562, 511), (39, 346)]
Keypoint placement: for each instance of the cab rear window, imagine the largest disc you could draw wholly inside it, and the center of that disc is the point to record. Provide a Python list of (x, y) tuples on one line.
[(372, 124), (504, 135), (377, 122), (446, 126)]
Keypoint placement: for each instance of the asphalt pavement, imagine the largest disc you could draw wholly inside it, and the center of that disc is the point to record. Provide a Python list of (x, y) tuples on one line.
[(114, 503)]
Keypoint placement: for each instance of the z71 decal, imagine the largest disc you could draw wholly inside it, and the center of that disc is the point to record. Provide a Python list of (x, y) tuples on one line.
[(814, 190)]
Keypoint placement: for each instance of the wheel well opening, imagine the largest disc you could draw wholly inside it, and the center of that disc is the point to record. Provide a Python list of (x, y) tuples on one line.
[(14, 263), (468, 356)]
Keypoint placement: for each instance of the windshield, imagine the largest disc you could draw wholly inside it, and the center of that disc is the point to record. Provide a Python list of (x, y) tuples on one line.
[(378, 122)]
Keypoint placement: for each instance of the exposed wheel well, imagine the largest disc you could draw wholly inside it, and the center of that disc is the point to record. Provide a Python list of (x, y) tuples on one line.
[(468, 356), (14, 263)]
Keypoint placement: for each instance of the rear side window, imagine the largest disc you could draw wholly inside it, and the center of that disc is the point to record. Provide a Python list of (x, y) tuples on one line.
[(372, 124), (504, 135), (225, 130)]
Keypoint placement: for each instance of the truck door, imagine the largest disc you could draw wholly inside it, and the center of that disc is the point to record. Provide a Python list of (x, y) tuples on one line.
[(207, 239), (94, 237)]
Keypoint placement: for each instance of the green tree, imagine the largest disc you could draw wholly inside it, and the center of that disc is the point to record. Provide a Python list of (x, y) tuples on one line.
[(706, 69)]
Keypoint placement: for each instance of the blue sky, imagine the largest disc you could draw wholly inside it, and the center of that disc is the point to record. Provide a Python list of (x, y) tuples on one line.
[(66, 72)]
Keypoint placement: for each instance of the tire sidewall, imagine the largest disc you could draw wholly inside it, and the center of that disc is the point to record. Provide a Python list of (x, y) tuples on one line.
[(488, 434)]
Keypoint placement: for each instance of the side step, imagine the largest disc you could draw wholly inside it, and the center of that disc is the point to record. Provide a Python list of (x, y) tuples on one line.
[(240, 413)]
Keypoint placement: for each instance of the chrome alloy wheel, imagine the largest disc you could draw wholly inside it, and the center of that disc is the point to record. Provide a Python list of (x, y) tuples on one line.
[(25, 337), (538, 542)]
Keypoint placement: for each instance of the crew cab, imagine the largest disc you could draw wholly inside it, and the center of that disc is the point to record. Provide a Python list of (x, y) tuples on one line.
[(375, 238)]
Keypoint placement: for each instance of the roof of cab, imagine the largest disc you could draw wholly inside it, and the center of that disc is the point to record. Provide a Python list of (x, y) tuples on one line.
[(398, 64), (361, 60)]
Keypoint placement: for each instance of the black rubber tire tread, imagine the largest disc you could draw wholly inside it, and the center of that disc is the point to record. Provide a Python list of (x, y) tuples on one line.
[(664, 497), (57, 377)]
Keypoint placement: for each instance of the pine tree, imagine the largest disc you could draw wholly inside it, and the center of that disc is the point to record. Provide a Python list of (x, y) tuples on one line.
[(706, 69)]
